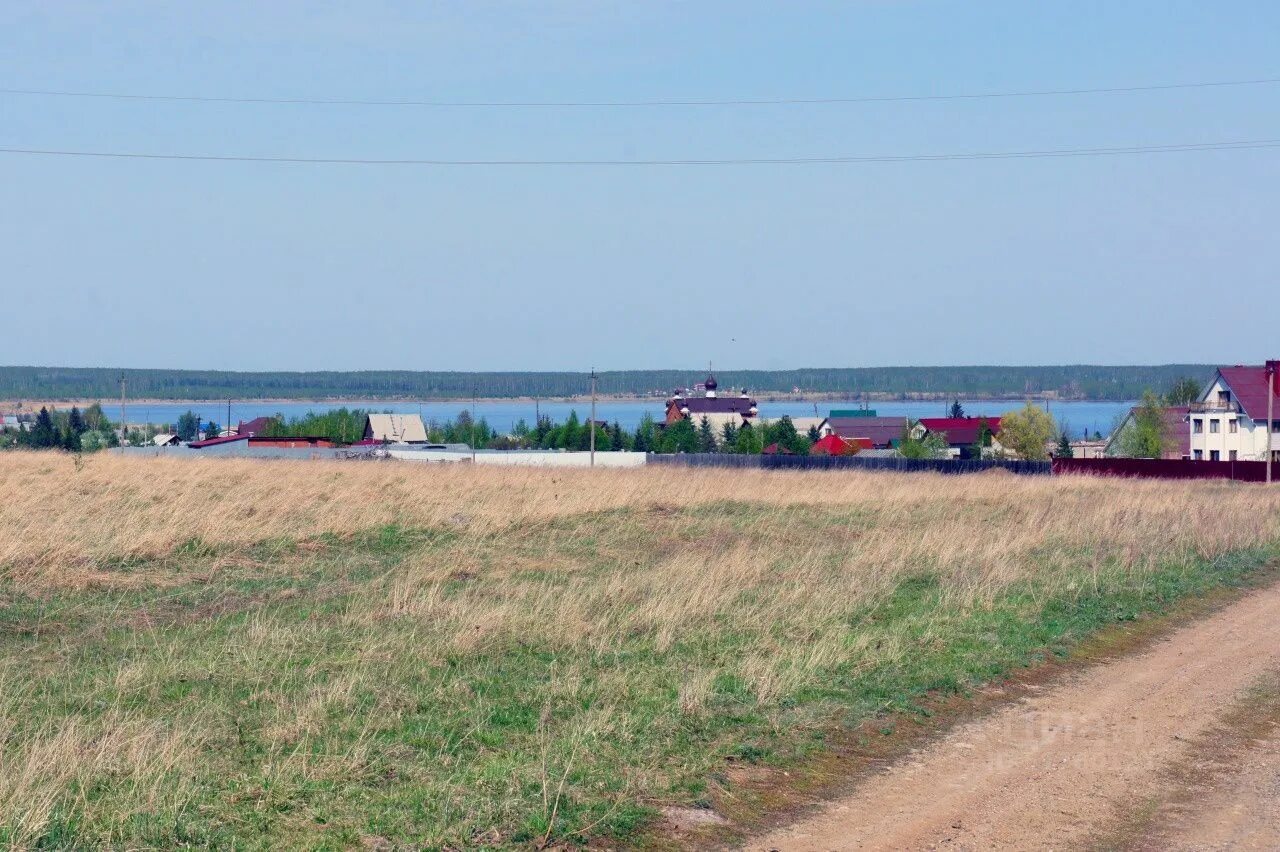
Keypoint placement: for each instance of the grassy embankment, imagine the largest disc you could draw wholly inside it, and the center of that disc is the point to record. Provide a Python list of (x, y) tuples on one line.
[(336, 654)]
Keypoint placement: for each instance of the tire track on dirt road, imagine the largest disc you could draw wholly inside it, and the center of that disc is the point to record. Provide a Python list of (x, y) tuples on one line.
[(1054, 770)]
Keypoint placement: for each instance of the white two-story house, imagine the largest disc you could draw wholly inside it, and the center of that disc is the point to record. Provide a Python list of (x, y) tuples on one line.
[(1229, 423)]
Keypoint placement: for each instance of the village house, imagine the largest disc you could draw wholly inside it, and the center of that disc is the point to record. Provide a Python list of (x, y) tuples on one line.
[(688, 405), (963, 433), (395, 429), (1230, 420), (852, 424)]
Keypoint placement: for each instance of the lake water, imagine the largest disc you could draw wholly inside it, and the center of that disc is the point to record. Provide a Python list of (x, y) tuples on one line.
[(503, 415)]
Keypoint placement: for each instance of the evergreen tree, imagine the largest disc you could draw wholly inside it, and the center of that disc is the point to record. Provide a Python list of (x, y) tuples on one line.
[(188, 424), (729, 438), (646, 435), (621, 440), (814, 435), (748, 442), (43, 434), (70, 439), (1064, 450), (75, 422), (957, 410), (678, 437), (706, 437), (570, 433), (783, 433)]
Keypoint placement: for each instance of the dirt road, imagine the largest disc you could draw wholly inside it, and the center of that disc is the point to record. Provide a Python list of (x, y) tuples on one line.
[(1080, 759)]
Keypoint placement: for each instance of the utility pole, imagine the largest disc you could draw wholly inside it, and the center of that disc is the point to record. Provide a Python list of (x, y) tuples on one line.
[(473, 425), (124, 426), (1271, 398), (228, 426), (593, 416)]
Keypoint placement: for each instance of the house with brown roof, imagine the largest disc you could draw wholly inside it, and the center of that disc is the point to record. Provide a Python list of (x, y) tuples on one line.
[(882, 432), (1231, 420)]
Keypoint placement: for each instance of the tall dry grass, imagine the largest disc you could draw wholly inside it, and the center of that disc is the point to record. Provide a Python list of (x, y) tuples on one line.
[(65, 513), (638, 585)]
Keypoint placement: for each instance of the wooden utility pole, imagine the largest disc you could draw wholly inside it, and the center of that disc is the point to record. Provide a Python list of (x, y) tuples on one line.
[(124, 426), (228, 426), (474, 393), (593, 416), (1271, 398)]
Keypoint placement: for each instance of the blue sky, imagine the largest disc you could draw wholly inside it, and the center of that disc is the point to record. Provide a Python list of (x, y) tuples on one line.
[(1145, 259)]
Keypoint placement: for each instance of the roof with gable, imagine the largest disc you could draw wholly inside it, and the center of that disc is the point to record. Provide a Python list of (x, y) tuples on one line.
[(254, 426), (1249, 387), (396, 428), (960, 431), (881, 430), (834, 445)]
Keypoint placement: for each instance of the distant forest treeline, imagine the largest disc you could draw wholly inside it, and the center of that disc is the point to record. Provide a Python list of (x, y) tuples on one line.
[(1076, 382)]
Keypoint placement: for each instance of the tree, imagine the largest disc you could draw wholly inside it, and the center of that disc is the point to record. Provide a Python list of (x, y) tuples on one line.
[(44, 434), (983, 440), (932, 445), (646, 435), (95, 419), (75, 423), (70, 439), (1064, 450), (211, 430), (729, 437), (1184, 391), (621, 440), (957, 410), (748, 442), (188, 425), (1028, 432), (814, 435), (1144, 435), (783, 433), (706, 437), (678, 437)]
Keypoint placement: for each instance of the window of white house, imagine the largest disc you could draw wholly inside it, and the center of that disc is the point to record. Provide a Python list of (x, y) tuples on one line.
[(1197, 454), (1214, 455), (1231, 454), (1214, 426), (1233, 426), (1224, 397), (1197, 425)]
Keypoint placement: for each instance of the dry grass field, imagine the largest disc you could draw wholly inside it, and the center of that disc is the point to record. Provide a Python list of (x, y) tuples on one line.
[(308, 654)]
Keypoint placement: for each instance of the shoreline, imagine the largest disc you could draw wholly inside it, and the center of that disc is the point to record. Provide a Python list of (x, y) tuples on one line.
[(370, 402)]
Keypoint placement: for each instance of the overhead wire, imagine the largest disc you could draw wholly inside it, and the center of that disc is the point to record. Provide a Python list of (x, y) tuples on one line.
[(1235, 145), (656, 102)]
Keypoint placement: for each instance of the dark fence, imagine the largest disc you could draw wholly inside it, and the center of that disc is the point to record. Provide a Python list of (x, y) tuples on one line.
[(785, 462), (1240, 471)]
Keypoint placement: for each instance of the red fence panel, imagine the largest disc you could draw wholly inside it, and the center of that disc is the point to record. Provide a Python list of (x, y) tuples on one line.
[(1240, 471)]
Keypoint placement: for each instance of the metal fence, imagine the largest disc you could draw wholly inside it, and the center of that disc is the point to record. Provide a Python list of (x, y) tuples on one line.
[(900, 465), (1240, 471)]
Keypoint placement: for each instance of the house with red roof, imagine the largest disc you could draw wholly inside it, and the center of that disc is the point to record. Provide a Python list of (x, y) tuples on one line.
[(963, 433), (1238, 415), (832, 444)]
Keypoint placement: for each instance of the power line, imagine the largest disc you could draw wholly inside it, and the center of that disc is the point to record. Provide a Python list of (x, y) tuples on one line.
[(659, 102), (751, 161)]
